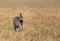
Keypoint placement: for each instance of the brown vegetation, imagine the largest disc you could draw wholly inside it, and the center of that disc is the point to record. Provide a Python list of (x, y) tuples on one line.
[(40, 24)]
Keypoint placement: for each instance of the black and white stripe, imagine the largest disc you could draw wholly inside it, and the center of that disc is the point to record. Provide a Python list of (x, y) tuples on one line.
[(18, 22)]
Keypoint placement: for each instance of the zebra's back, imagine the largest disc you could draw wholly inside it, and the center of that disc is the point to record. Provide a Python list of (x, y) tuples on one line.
[(16, 21)]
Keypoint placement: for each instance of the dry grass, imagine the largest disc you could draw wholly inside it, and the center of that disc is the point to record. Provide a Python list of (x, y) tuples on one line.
[(40, 24)]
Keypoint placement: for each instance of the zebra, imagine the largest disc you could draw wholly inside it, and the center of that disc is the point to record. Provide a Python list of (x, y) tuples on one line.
[(18, 22)]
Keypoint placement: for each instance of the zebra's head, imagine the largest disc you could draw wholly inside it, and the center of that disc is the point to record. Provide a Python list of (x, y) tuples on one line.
[(21, 14)]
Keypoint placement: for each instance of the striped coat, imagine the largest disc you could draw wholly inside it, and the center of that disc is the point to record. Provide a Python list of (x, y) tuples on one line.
[(18, 22)]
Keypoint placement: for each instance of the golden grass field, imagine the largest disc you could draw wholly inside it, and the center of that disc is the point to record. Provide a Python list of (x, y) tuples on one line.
[(40, 24)]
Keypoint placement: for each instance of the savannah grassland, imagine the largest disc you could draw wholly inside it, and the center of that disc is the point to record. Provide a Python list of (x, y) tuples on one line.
[(40, 24)]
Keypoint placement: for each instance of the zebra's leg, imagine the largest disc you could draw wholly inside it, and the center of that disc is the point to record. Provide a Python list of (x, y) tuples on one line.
[(20, 28), (15, 28), (22, 25)]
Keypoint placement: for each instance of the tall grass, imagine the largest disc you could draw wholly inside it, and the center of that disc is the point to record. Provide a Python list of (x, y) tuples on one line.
[(40, 24)]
